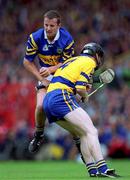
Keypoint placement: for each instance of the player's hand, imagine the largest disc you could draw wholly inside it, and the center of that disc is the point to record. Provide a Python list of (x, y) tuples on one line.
[(88, 87), (107, 76), (44, 72), (45, 82)]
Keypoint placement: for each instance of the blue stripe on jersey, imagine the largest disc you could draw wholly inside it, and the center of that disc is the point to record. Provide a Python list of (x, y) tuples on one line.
[(85, 75), (62, 80), (81, 83)]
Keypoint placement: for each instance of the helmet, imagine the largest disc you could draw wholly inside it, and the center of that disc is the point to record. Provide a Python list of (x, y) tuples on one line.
[(94, 49)]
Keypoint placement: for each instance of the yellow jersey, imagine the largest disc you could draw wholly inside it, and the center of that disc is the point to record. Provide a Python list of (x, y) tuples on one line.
[(75, 73)]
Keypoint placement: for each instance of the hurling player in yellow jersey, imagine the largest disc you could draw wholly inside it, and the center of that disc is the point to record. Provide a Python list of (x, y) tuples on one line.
[(62, 108)]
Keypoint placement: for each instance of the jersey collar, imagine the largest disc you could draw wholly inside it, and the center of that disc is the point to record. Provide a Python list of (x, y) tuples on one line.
[(82, 54), (56, 37)]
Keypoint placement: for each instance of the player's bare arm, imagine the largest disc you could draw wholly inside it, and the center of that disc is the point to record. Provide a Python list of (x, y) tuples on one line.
[(46, 71), (83, 93), (31, 67)]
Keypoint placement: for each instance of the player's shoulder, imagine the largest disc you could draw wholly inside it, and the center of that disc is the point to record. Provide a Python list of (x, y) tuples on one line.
[(80, 57), (64, 33), (38, 33), (86, 59)]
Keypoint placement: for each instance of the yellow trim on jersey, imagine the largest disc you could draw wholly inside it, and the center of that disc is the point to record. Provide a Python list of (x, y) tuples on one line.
[(69, 45), (31, 46), (30, 53), (30, 49), (66, 56), (49, 59), (33, 42)]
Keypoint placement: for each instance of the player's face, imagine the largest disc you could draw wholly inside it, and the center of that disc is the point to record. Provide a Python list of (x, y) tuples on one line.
[(51, 26), (99, 60)]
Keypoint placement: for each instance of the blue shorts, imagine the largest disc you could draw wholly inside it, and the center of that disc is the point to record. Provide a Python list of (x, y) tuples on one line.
[(58, 103)]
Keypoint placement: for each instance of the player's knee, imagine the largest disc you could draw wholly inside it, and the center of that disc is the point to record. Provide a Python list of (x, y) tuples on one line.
[(83, 130), (91, 130), (94, 131)]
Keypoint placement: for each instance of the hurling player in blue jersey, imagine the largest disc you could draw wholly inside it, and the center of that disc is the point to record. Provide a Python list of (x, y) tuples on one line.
[(52, 45), (62, 108)]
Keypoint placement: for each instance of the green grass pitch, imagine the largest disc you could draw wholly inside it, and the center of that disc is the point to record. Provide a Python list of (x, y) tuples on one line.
[(55, 170)]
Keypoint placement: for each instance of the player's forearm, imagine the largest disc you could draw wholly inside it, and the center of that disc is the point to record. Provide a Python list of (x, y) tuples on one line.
[(82, 92), (52, 69), (30, 66)]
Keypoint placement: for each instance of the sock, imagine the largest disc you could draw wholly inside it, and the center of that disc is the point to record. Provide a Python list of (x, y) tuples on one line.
[(77, 143), (101, 166), (92, 169)]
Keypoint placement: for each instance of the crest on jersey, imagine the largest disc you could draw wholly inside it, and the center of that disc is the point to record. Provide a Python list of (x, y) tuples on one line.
[(45, 47), (59, 50)]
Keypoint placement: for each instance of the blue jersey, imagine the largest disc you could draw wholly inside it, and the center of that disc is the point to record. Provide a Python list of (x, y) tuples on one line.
[(49, 54)]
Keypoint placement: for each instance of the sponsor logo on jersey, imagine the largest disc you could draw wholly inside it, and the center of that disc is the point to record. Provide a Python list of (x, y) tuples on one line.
[(59, 50), (45, 47)]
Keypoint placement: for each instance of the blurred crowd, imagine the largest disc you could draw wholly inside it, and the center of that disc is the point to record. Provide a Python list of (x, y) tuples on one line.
[(105, 22)]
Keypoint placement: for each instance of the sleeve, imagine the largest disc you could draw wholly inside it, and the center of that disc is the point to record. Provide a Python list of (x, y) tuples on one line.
[(68, 51), (85, 77), (31, 49)]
